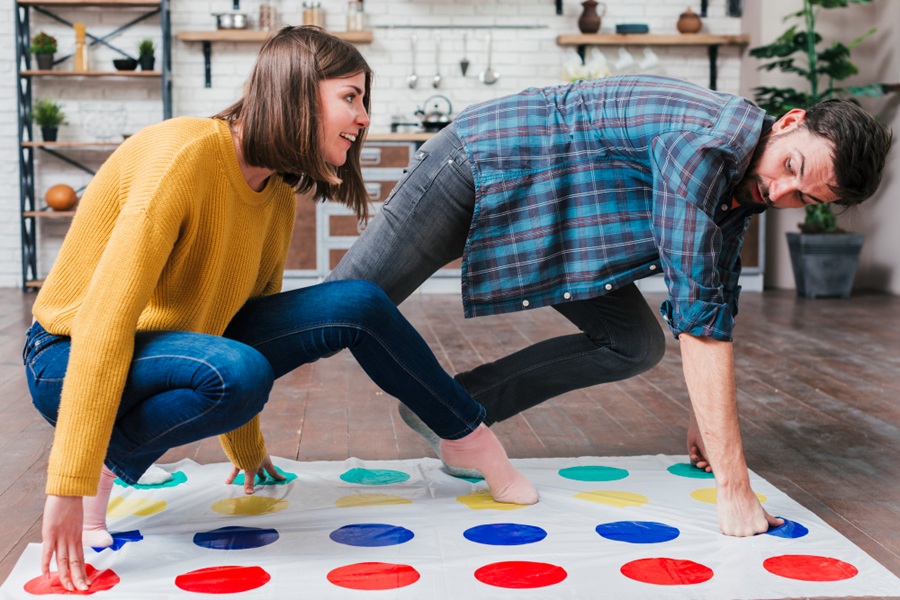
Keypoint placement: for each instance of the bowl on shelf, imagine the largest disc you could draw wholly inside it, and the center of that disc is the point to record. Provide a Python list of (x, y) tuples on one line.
[(125, 64)]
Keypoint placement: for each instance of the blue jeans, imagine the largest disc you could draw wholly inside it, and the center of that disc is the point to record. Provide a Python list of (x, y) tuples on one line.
[(183, 387), (424, 224)]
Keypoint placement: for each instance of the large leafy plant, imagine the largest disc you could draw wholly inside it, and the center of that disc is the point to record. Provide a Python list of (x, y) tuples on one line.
[(798, 51)]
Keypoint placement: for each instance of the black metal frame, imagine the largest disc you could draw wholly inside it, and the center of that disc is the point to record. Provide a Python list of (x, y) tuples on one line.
[(27, 198)]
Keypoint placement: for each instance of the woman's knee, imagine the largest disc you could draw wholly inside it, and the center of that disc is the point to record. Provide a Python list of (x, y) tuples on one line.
[(238, 379), (360, 301)]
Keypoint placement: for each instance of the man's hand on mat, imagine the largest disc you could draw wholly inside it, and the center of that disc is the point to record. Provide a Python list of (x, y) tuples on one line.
[(741, 514), (265, 469), (61, 535)]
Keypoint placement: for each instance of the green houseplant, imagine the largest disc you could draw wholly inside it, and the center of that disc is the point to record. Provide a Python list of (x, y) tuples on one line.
[(824, 266), (146, 56), (44, 46), (48, 115)]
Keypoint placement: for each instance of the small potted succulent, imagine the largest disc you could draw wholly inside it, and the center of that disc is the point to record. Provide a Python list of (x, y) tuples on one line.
[(145, 54), (43, 46), (48, 115)]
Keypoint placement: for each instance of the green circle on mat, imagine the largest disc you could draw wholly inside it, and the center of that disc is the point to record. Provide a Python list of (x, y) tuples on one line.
[(374, 476), (593, 473), (689, 470), (178, 477), (289, 477)]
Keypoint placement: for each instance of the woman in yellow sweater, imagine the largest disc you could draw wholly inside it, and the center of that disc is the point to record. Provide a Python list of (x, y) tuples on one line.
[(161, 322)]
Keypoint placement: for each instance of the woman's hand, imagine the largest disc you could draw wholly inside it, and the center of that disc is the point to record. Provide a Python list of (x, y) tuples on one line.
[(266, 468), (61, 533)]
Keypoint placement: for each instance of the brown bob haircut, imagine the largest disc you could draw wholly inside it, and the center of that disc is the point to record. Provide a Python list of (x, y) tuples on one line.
[(280, 114)]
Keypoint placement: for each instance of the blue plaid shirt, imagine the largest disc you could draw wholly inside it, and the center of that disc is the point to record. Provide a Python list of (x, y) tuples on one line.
[(585, 188)]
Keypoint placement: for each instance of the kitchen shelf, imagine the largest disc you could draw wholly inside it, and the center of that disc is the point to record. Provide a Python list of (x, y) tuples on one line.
[(712, 43), (36, 144), (136, 12), (250, 36), (60, 73), (101, 3)]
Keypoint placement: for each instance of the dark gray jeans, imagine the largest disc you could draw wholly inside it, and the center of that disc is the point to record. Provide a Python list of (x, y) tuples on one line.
[(423, 225)]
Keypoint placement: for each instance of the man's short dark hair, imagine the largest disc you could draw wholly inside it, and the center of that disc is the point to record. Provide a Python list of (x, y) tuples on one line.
[(861, 145)]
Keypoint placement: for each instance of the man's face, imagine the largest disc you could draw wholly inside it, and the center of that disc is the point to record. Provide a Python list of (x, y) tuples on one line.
[(791, 167)]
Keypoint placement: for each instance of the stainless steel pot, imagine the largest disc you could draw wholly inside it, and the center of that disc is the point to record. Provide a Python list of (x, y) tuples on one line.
[(231, 20)]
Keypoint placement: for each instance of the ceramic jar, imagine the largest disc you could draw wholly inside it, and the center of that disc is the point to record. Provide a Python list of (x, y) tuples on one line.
[(689, 22)]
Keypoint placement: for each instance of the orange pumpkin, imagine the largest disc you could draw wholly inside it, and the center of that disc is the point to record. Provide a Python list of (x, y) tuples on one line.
[(61, 197)]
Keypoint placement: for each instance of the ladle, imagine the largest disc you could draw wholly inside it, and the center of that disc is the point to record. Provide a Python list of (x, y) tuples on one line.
[(413, 79), (489, 76), (436, 80)]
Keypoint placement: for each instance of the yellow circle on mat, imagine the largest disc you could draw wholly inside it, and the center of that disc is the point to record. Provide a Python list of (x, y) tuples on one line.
[(125, 507), (370, 500), (614, 498), (482, 499), (709, 495), (249, 505)]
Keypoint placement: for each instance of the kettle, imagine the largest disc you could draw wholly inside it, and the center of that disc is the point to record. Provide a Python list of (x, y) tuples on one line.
[(431, 117)]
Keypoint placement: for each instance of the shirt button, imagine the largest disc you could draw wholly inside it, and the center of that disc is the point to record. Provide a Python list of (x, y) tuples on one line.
[(525, 302), (608, 286), (652, 267), (567, 295), (724, 207)]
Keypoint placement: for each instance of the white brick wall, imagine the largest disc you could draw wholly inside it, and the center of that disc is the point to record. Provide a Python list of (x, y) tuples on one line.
[(523, 57)]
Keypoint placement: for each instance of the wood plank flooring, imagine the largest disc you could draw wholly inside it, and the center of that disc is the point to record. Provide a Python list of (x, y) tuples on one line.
[(819, 393)]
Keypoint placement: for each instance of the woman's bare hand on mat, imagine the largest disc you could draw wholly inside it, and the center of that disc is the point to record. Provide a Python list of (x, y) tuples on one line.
[(61, 533), (696, 451), (265, 469)]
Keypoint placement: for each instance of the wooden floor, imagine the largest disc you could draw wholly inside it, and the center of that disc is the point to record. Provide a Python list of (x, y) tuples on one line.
[(819, 393)]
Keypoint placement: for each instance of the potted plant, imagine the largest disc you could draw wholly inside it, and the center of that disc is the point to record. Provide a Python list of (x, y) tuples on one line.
[(145, 54), (48, 115), (43, 46), (823, 256)]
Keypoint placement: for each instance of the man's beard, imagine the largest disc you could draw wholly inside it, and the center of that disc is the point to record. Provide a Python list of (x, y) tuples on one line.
[(743, 192)]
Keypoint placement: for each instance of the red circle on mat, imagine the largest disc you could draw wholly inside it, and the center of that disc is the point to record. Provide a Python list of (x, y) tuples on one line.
[(666, 571), (223, 580), (806, 567), (520, 574), (373, 576), (99, 581)]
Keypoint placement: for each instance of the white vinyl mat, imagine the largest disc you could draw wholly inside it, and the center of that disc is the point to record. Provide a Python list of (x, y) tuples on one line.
[(622, 527)]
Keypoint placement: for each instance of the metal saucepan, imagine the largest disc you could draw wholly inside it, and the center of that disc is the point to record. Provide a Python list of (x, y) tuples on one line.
[(231, 20)]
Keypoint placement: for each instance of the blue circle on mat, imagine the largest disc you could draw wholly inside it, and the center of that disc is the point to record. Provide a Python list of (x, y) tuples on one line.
[(374, 476), (689, 470), (638, 532), (235, 538), (257, 480), (790, 530), (178, 477), (505, 534), (120, 538), (371, 535), (593, 473)]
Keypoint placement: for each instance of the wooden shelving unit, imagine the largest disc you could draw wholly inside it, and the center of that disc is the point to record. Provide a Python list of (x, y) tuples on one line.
[(711, 42), (138, 11), (250, 36)]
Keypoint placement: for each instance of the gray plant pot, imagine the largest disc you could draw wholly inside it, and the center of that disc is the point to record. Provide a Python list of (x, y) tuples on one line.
[(824, 263)]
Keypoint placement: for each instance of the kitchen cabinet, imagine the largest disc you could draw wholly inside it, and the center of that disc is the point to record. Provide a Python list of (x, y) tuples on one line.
[(324, 231), (31, 210)]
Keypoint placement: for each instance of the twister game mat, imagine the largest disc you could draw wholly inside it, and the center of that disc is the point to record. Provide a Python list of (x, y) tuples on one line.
[(626, 527)]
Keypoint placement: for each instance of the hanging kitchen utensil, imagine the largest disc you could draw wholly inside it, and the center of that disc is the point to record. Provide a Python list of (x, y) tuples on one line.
[(413, 79), (489, 76), (464, 63), (436, 80)]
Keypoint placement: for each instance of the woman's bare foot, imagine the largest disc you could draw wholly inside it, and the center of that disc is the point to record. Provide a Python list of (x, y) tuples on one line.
[(482, 450)]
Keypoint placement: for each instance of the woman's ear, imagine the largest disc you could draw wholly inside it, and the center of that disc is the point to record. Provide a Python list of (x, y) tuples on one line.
[(789, 120)]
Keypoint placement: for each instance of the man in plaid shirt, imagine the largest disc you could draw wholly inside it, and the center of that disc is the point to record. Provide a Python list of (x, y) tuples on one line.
[(565, 196)]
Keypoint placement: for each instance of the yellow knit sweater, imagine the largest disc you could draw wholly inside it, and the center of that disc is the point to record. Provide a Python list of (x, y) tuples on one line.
[(168, 236)]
